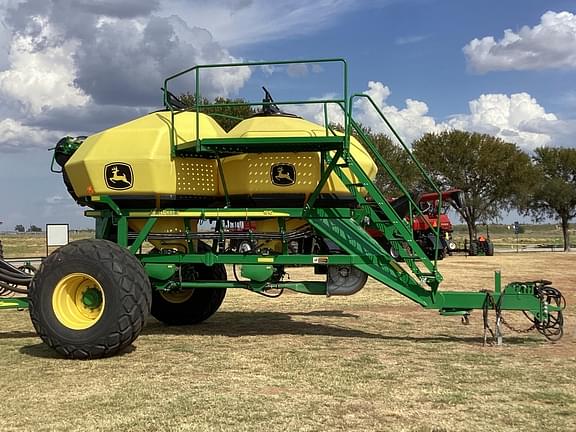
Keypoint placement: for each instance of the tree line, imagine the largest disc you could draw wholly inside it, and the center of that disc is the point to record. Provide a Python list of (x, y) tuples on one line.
[(32, 228), (494, 175)]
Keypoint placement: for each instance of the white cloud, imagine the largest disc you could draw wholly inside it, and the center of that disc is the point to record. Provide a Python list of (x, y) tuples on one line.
[(315, 112), (41, 79), (86, 65), (410, 122), (242, 22), (548, 45), (15, 135), (517, 118), (83, 56)]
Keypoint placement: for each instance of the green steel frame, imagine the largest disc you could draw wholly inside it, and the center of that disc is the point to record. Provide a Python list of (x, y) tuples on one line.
[(418, 279), (13, 303)]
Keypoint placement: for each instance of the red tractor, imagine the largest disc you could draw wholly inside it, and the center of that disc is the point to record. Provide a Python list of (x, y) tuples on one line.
[(425, 222)]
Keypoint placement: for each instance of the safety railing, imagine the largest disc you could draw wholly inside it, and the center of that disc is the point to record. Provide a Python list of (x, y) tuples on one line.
[(198, 106), (381, 161)]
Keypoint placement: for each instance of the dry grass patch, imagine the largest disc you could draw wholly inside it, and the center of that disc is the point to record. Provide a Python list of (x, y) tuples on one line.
[(373, 361), (29, 245)]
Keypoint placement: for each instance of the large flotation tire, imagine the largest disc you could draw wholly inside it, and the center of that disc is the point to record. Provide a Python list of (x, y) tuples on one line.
[(90, 299)]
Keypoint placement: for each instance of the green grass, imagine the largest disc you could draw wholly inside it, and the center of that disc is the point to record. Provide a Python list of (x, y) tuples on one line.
[(287, 378)]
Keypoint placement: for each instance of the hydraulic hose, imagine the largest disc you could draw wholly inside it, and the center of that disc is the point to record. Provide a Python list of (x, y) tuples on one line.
[(12, 279), (11, 288)]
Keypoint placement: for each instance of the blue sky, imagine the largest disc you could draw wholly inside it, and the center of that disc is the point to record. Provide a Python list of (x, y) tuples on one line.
[(76, 67)]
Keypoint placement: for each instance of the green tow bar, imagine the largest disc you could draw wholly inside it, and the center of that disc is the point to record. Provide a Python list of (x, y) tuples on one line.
[(13, 303)]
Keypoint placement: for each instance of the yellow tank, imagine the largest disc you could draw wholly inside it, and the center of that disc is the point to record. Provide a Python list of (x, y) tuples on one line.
[(132, 162), (134, 159), (255, 174)]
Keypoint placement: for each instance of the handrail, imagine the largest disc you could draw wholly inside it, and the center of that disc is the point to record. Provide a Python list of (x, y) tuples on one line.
[(197, 94), (346, 104), (382, 161), (397, 136)]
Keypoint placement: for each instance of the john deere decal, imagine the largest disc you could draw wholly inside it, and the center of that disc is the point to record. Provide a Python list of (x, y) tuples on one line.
[(118, 176), (283, 174)]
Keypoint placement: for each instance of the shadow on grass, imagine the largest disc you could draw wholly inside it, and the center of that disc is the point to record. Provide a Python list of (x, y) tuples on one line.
[(17, 334), (42, 350), (239, 324)]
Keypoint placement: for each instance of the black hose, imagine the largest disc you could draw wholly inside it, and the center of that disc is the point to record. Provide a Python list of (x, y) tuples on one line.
[(15, 273), (6, 268), (278, 294), (13, 288), (15, 279), (552, 328)]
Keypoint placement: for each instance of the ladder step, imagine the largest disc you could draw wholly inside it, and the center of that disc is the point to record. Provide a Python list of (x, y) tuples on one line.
[(386, 217), (372, 204), (382, 222)]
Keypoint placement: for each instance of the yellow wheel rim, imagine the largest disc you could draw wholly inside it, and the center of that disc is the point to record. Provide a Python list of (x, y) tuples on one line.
[(78, 301), (177, 296)]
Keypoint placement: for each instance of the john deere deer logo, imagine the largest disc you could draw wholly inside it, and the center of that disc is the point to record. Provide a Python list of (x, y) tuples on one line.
[(118, 176), (283, 174)]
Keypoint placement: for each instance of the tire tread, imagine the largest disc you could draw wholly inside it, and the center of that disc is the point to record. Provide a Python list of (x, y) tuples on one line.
[(132, 281)]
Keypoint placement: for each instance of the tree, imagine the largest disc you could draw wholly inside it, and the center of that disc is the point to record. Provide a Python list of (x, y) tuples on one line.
[(19, 228), (554, 194), (34, 228), (399, 161), (395, 156), (493, 174), (226, 116)]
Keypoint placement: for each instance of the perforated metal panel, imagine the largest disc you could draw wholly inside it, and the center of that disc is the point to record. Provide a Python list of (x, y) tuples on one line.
[(196, 177), (251, 173)]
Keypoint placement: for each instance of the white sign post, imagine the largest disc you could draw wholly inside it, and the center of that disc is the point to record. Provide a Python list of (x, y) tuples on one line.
[(56, 235)]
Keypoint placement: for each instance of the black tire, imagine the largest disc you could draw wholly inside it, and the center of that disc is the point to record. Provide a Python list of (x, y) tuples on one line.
[(473, 249), (114, 321), (441, 254), (430, 253), (189, 307), (395, 254), (489, 248)]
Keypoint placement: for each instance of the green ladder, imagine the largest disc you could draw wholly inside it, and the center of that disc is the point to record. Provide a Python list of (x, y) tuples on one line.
[(349, 235), (392, 226)]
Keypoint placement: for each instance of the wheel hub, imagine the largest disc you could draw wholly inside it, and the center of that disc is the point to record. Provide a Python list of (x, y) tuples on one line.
[(92, 298), (78, 301)]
